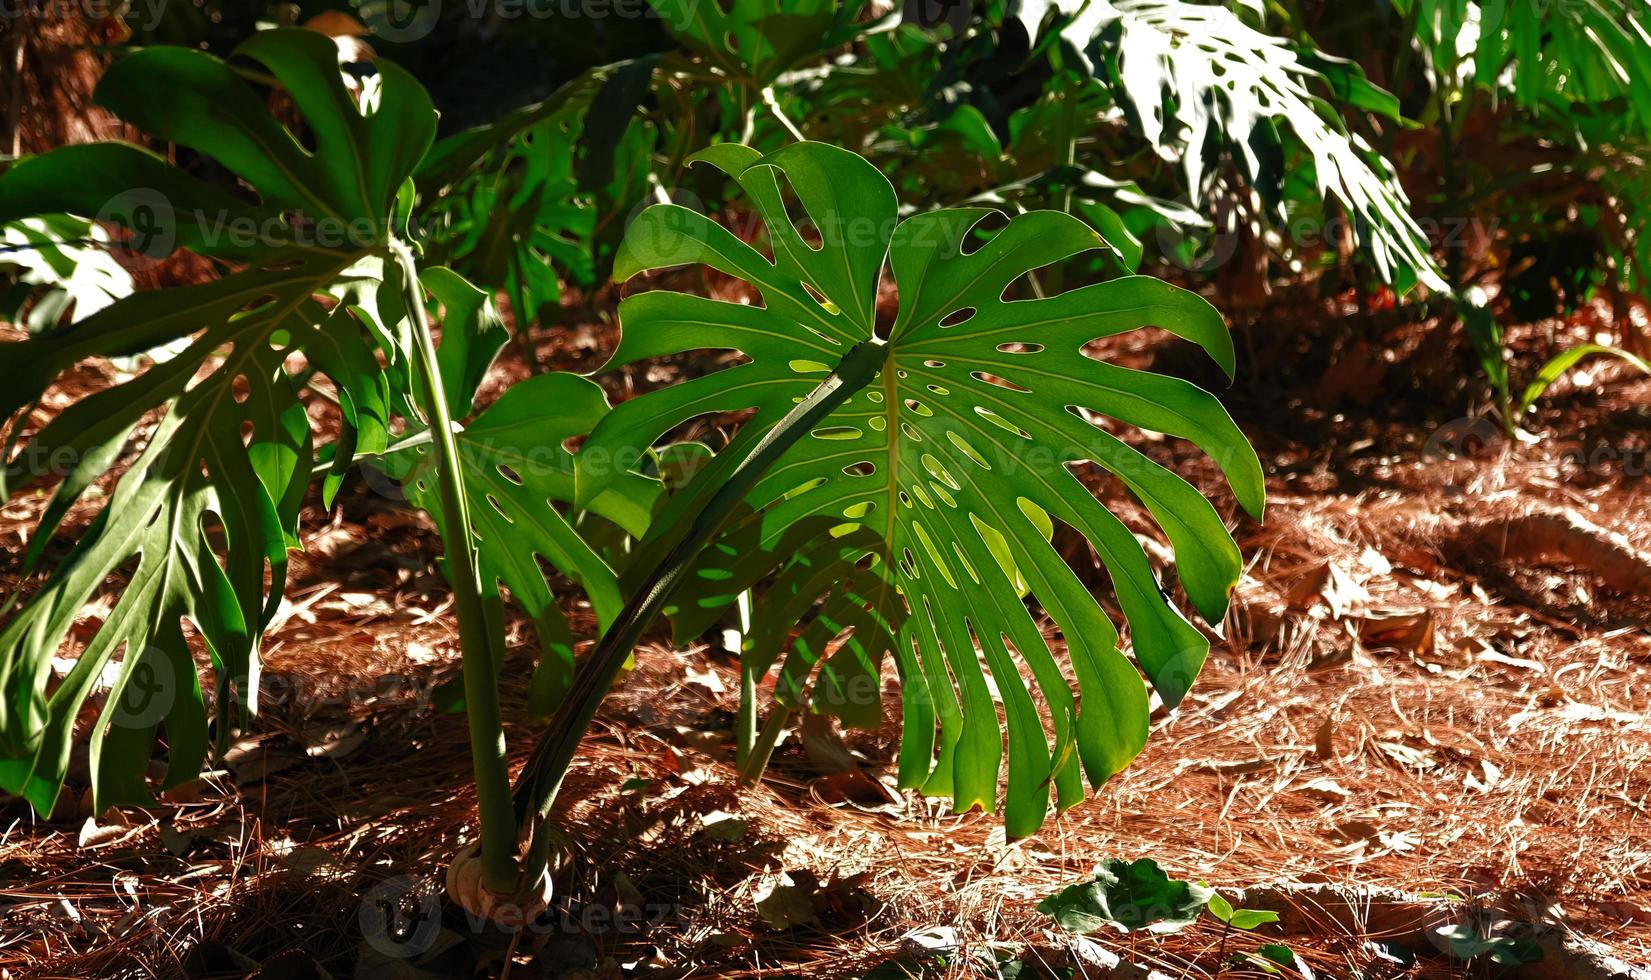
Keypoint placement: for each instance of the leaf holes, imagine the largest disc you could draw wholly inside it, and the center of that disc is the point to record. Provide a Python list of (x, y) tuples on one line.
[(918, 408), (802, 366), (934, 553), (876, 396), (863, 468), (822, 336), (910, 432), (1001, 422), (877, 423), (837, 433), (963, 447), (859, 511), (1014, 348), (945, 497), (993, 379), (905, 499), (932, 363), (982, 232), (510, 474), (939, 472), (818, 297), (922, 495), (958, 317), (937, 389), (500, 508), (803, 488), (803, 225)]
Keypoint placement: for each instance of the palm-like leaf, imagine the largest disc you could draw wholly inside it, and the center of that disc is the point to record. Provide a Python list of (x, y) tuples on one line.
[(923, 508), (198, 476), (1193, 72), (1188, 68), (1549, 57), (201, 520)]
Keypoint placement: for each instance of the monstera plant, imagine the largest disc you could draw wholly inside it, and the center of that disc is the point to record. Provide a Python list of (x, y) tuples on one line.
[(904, 479), (892, 495), (209, 453)]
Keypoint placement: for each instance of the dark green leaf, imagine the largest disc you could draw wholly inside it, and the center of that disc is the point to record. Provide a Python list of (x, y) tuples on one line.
[(516, 470), (1127, 896)]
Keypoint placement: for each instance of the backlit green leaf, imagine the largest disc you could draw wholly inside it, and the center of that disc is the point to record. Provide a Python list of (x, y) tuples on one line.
[(920, 513)]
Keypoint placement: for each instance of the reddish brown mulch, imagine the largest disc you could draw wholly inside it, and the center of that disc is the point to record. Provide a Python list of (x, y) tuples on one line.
[(1397, 703)]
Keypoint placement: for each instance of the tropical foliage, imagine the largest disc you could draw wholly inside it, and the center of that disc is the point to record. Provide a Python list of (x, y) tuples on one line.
[(202, 515), (919, 231), (956, 458)]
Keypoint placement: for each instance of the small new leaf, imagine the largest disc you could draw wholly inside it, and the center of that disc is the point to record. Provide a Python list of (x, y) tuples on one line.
[(1274, 955), (1129, 896)]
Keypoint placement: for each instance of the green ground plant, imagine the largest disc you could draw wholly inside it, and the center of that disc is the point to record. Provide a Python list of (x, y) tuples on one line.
[(897, 485), (883, 516), (318, 284)]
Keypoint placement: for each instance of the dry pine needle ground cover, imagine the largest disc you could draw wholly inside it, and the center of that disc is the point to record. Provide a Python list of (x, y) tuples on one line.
[(1436, 680)]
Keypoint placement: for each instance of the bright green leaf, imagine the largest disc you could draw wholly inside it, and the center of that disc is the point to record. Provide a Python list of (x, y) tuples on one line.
[(955, 476), (1564, 361)]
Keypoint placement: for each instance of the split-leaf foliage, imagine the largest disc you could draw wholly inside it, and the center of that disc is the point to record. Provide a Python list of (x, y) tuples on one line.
[(914, 522), (202, 461)]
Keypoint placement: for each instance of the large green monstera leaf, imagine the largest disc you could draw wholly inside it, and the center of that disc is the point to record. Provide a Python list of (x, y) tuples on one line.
[(226, 465), (915, 524), (209, 453)]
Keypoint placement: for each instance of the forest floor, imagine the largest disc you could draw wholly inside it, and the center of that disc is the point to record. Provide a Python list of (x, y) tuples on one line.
[(1435, 681)]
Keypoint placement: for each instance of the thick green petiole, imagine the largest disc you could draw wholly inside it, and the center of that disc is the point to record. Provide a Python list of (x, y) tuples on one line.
[(755, 762), (500, 872), (541, 780)]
